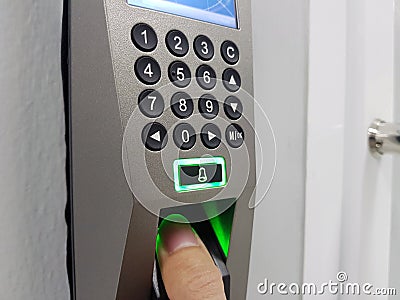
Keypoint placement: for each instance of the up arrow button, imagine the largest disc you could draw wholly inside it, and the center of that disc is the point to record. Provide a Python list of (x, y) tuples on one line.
[(231, 80)]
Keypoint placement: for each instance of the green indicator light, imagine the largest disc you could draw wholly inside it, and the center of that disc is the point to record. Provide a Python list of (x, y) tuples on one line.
[(203, 165)]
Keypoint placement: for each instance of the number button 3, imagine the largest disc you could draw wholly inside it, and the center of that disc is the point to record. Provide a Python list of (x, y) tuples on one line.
[(144, 37), (147, 70), (177, 43), (203, 47)]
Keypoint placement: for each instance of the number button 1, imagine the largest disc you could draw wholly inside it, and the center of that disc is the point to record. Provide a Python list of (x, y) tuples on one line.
[(206, 77), (151, 103), (203, 47), (179, 73), (147, 70), (184, 136), (177, 43), (144, 37)]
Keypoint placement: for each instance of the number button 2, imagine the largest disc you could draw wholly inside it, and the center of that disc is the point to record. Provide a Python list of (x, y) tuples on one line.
[(147, 70), (144, 37), (177, 43), (151, 103), (204, 48)]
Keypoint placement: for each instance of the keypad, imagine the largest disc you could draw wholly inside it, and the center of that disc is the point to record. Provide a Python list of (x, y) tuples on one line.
[(152, 102)]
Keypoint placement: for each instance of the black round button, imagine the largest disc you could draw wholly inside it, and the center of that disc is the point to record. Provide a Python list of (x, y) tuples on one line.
[(203, 47), (182, 105), (231, 80), (208, 106), (206, 77), (184, 136), (154, 136), (177, 43), (233, 108), (211, 136), (144, 37), (147, 70), (230, 52), (234, 135), (179, 73), (151, 103)]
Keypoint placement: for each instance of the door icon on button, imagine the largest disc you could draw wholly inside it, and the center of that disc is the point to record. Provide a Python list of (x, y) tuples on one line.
[(202, 175)]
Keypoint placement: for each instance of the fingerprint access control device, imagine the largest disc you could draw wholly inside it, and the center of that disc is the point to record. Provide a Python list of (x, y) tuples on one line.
[(160, 118)]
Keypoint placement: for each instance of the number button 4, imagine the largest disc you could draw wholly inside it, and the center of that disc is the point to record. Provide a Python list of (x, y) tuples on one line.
[(177, 43), (144, 37), (147, 70)]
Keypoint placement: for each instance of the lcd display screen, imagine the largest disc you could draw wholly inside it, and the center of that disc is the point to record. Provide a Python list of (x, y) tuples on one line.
[(220, 12)]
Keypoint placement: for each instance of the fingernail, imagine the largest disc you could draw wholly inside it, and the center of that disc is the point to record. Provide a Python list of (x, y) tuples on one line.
[(176, 233)]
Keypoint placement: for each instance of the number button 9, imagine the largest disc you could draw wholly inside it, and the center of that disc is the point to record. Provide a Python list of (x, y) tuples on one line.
[(203, 47), (208, 106), (144, 37), (177, 43)]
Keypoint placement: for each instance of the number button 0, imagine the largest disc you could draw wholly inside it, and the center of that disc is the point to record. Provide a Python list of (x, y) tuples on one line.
[(184, 136), (151, 103), (208, 106), (206, 77), (147, 70), (179, 73), (177, 43), (182, 105), (203, 47), (144, 37)]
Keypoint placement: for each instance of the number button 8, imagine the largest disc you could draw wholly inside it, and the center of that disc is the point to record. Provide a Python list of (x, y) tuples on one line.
[(182, 105)]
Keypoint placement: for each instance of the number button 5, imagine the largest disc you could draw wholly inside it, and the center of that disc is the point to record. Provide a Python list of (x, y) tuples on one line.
[(151, 103), (203, 47), (177, 43), (147, 70), (144, 37), (179, 73)]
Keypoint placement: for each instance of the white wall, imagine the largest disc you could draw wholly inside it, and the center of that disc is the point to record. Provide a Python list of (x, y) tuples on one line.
[(349, 193), (32, 152)]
